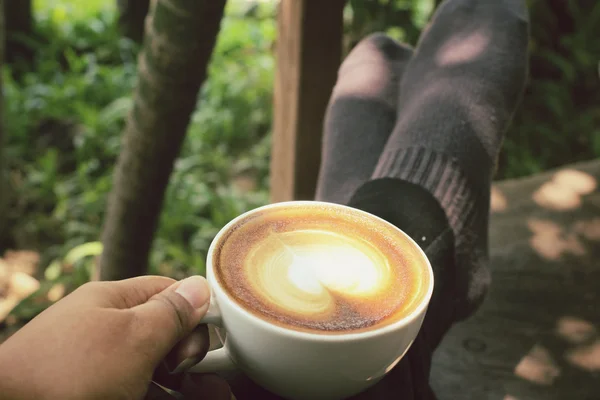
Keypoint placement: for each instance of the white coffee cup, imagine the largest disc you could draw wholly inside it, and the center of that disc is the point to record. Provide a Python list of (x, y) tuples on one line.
[(298, 364)]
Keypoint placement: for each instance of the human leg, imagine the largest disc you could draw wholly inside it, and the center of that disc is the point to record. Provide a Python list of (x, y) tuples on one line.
[(360, 115)]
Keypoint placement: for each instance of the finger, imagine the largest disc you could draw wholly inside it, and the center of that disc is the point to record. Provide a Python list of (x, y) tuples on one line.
[(136, 291), (155, 392), (171, 315), (188, 352), (206, 386), (122, 294), (163, 377)]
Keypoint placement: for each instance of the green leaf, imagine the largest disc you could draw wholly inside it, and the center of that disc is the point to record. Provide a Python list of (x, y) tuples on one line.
[(116, 111), (53, 271), (91, 249)]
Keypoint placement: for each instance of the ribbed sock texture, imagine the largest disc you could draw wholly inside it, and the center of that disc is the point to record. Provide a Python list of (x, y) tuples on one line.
[(360, 116), (418, 214), (457, 96)]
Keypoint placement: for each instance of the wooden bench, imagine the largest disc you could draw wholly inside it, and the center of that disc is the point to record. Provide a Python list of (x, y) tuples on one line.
[(537, 335)]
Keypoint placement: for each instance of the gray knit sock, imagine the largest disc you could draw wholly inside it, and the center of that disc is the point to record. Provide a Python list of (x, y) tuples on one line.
[(360, 116), (457, 96)]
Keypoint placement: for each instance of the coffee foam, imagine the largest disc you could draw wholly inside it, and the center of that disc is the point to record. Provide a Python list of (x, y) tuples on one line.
[(316, 268)]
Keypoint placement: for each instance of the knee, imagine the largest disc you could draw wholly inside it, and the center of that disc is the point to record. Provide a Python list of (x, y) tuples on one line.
[(379, 46), (380, 42), (373, 68)]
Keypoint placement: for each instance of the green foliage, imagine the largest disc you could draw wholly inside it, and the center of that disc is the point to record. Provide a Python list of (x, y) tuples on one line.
[(65, 117), (403, 20), (559, 119), (65, 12), (60, 144)]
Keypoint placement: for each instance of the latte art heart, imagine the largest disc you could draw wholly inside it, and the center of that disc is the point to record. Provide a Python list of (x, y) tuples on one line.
[(304, 271), (320, 268)]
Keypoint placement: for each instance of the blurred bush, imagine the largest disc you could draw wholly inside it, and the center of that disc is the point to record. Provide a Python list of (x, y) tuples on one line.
[(65, 114), (559, 119)]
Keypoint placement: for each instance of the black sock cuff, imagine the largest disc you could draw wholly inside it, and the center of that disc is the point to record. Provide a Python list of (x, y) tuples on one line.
[(466, 206), (404, 204), (416, 212), (437, 173)]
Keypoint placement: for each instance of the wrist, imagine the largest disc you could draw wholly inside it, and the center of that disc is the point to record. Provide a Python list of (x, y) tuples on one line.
[(17, 378)]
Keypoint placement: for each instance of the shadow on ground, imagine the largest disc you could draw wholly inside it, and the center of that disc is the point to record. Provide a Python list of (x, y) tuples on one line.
[(537, 336)]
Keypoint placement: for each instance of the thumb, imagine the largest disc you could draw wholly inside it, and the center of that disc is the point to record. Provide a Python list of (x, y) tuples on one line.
[(172, 314)]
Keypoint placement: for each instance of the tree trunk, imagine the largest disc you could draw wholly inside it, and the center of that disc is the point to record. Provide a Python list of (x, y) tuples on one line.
[(18, 24), (132, 15), (3, 183), (172, 66)]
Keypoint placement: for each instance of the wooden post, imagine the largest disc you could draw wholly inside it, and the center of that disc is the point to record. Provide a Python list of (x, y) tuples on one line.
[(309, 52)]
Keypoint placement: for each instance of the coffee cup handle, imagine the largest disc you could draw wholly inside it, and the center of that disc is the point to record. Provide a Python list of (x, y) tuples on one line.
[(217, 360)]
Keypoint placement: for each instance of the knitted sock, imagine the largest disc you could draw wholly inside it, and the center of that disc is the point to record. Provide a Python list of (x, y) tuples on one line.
[(360, 116), (413, 209), (418, 214), (457, 96)]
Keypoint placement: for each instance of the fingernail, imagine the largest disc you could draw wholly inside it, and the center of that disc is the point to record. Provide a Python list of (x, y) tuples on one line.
[(195, 290), (184, 365)]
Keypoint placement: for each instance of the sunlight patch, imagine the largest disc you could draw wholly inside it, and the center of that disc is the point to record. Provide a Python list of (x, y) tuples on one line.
[(575, 330), (538, 367), (565, 189)]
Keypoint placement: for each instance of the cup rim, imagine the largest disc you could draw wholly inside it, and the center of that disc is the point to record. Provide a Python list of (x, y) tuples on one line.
[(215, 285)]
